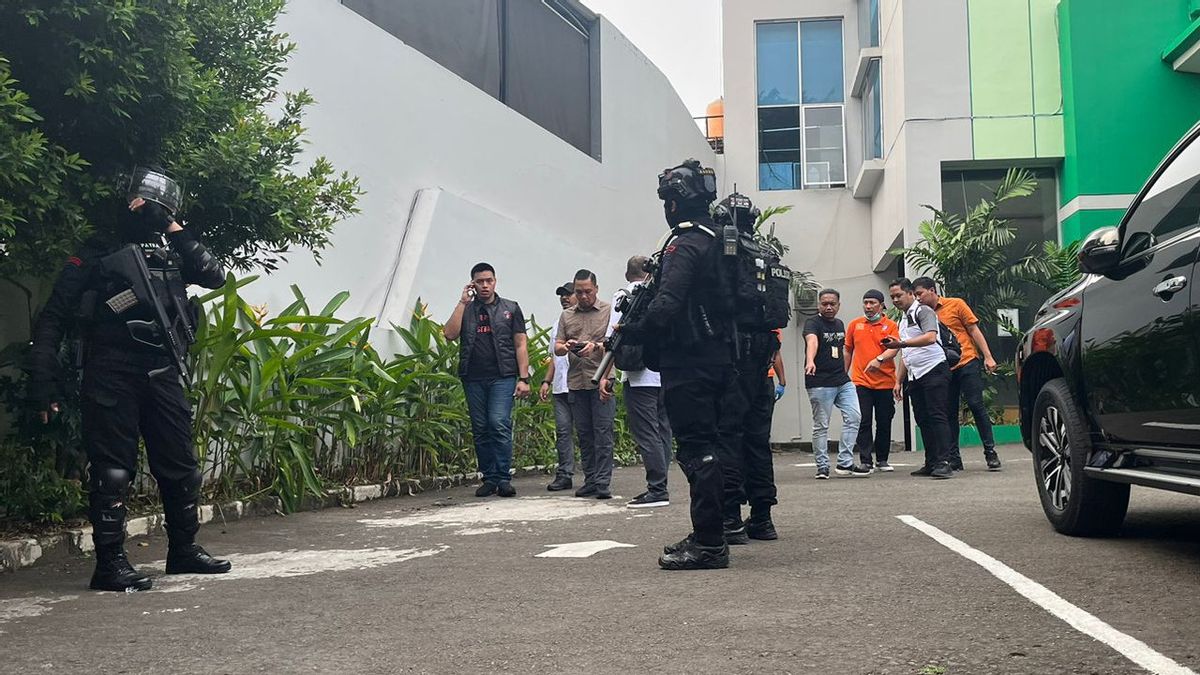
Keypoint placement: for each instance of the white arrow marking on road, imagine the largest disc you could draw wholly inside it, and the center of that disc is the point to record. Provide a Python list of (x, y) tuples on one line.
[(581, 549)]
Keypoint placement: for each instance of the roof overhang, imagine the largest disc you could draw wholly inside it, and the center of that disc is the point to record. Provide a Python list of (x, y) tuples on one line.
[(1184, 51)]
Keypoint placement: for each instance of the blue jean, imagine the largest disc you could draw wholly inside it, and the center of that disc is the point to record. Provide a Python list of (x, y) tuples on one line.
[(823, 400), (490, 403)]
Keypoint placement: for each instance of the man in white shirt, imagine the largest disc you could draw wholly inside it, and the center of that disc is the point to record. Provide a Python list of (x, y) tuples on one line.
[(555, 385), (922, 371), (644, 408)]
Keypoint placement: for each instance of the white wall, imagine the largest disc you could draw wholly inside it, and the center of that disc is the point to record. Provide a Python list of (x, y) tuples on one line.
[(926, 122), (830, 232), (494, 186)]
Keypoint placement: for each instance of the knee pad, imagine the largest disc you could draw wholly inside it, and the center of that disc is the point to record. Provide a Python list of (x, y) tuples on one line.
[(109, 482)]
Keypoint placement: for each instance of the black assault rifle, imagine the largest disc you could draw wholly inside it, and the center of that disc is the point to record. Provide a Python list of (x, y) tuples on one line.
[(129, 265), (632, 305)]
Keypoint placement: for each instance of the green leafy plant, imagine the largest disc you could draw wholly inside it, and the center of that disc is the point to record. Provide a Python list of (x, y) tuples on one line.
[(87, 89), (969, 257)]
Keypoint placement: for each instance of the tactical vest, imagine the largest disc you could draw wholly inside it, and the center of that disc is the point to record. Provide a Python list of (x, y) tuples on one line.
[(761, 287)]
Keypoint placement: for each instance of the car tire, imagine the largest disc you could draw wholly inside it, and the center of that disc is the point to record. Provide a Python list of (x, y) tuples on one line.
[(1075, 503)]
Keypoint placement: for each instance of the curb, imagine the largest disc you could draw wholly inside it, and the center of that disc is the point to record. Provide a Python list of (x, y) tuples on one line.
[(17, 554)]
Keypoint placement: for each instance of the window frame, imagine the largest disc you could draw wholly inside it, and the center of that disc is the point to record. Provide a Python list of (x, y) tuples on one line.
[(1189, 150), (802, 183)]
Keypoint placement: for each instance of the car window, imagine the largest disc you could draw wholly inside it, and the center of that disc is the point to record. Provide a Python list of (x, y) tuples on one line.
[(1171, 205)]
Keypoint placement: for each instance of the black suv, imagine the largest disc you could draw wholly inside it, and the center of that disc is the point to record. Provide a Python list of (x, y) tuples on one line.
[(1110, 371)]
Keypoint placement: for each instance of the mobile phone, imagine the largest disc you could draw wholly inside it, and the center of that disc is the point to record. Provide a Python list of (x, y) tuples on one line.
[(577, 347), (471, 291)]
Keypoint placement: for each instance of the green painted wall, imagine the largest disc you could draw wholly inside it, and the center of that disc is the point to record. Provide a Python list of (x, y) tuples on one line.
[(1124, 107), (1016, 89)]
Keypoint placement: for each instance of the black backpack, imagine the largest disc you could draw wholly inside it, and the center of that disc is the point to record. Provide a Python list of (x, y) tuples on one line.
[(950, 344), (761, 287)]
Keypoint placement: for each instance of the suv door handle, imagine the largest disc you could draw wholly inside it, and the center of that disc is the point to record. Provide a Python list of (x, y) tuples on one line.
[(1168, 287)]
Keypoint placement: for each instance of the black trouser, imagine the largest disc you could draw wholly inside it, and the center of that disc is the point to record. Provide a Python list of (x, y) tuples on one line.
[(120, 403), (929, 393), (745, 431), (968, 381), (879, 404), (692, 397)]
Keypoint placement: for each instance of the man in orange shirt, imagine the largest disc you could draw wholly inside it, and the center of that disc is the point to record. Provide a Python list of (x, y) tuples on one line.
[(874, 376), (966, 379)]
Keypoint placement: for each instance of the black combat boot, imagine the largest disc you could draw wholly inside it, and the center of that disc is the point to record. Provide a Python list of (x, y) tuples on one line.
[(679, 545), (759, 525), (735, 531), (693, 556), (114, 573), (191, 558)]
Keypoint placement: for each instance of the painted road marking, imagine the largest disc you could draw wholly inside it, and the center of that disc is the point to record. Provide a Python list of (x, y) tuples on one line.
[(1130, 647), (293, 563), (489, 517), (22, 608), (581, 549)]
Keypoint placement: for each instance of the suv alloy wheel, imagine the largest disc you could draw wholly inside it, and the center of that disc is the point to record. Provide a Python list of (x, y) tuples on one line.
[(1074, 503)]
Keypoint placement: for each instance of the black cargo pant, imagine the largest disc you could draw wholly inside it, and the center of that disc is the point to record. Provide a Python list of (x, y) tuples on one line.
[(693, 399), (967, 382), (929, 399), (121, 403), (745, 430), (877, 406)]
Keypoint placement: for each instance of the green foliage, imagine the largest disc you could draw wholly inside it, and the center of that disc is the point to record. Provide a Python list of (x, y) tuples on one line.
[(32, 488), (300, 402), (87, 89), (969, 258)]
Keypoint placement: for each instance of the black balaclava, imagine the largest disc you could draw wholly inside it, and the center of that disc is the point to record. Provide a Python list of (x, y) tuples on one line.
[(685, 211)]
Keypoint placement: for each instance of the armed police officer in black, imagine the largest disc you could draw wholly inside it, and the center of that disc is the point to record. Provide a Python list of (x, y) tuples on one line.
[(125, 293), (761, 285), (686, 332)]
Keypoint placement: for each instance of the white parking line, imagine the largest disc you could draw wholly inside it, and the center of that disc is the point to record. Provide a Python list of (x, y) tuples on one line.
[(1130, 647)]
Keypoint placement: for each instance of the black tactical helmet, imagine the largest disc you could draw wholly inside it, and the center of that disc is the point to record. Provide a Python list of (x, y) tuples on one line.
[(153, 184), (688, 182), (736, 209)]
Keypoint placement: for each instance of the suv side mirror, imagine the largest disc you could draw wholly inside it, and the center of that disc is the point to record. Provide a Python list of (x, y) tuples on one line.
[(1100, 251)]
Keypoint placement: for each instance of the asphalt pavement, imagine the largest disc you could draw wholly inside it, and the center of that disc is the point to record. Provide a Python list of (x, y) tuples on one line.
[(446, 582)]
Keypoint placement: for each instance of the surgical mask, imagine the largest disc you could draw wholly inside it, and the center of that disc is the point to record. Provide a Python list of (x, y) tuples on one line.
[(874, 318)]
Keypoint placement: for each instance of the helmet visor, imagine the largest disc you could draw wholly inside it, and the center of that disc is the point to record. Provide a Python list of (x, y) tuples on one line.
[(155, 186)]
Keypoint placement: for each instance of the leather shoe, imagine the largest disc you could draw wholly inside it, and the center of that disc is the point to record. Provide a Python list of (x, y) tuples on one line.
[(193, 559), (559, 484), (486, 489), (506, 489), (587, 491)]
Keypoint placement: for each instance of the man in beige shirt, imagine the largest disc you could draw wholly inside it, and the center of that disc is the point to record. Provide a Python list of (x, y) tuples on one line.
[(580, 337)]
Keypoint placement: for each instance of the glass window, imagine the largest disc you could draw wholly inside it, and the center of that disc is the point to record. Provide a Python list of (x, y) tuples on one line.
[(824, 147), (801, 119), (779, 145), (1171, 205), (821, 58), (873, 114), (778, 64), (868, 23)]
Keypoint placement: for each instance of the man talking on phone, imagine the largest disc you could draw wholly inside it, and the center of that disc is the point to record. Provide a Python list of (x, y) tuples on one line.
[(493, 363)]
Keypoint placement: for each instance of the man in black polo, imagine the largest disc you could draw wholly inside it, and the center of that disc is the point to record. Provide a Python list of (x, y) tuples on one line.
[(494, 367)]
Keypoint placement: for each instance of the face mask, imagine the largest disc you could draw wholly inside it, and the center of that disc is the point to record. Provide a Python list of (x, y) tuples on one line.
[(875, 318)]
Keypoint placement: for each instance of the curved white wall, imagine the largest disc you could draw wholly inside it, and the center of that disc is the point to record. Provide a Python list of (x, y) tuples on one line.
[(493, 185)]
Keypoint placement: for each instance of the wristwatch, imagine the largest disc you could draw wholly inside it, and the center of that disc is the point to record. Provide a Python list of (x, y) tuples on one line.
[(523, 379)]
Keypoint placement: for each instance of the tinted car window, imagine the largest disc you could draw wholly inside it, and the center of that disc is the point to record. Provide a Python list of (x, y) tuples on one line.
[(1171, 205)]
